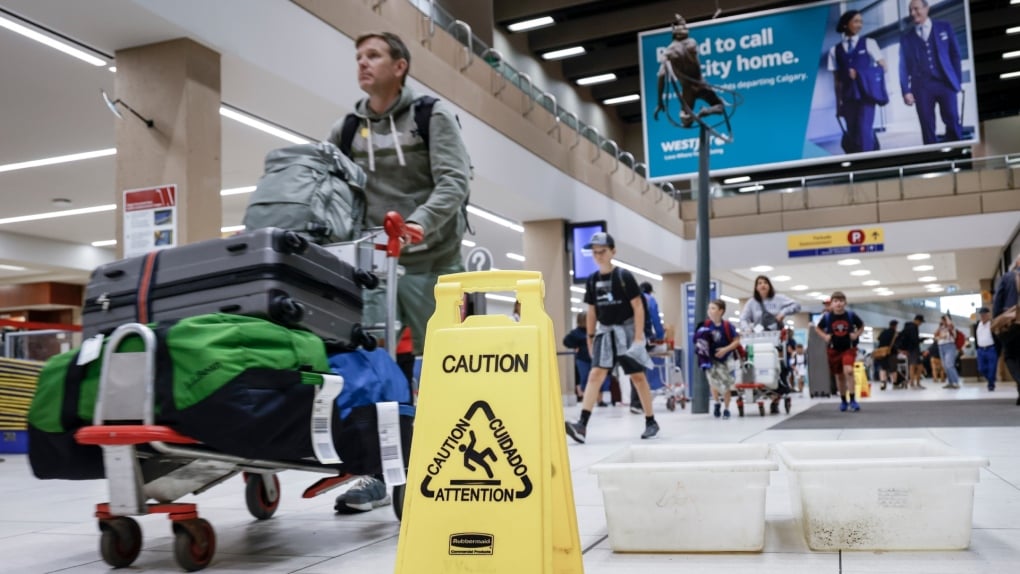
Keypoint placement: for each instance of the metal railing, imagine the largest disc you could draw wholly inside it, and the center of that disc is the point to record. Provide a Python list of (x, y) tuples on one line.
[(434, 16), (928, 170)]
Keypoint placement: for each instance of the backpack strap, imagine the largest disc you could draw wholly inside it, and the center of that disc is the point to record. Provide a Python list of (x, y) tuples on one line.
[(422, 115), (347, 132)]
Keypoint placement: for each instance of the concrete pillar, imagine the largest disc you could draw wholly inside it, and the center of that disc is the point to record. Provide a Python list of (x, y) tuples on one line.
[(545, 251), (177, 85)]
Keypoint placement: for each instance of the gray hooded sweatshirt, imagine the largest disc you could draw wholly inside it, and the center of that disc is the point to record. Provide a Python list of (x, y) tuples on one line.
[(427, 186)]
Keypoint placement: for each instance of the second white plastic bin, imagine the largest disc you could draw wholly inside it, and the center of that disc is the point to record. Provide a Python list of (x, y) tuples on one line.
[(897, 494), (686, 498)]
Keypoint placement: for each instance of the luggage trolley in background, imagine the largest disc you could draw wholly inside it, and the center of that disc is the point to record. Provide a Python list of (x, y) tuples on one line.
[(671, 377), (764, 363), (149, 461)]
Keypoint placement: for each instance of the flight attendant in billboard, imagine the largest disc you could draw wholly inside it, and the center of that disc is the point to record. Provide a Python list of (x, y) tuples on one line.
[(858, 68), (931, 71)]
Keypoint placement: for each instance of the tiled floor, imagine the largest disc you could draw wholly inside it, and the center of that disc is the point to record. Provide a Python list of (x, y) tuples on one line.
[(47, 526)]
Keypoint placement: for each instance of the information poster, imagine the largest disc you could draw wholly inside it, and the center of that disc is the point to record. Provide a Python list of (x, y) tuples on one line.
[(814, 83), (150, 219)]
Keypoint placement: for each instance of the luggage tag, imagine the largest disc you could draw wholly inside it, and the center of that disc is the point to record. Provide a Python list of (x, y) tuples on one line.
[(322, 419), (391, 452), (90, 350)]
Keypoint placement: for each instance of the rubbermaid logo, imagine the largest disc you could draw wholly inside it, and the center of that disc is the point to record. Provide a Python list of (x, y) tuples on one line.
[(471, 543)]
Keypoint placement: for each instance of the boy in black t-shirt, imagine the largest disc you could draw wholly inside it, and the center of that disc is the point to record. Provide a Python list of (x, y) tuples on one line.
[(841, 328), (615, 324)]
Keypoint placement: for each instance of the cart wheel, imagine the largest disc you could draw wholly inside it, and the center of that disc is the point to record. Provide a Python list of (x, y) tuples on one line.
[(786, 404), (398, 500), (671, 404), (761, 409), (258, 500), (121, 541), (740, 406), (194, 544)]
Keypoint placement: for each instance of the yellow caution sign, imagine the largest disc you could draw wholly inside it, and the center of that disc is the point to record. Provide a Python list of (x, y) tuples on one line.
[(488, 488)]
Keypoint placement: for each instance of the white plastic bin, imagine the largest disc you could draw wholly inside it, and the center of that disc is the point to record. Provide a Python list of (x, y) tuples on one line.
[(686, 498), (902, 494)]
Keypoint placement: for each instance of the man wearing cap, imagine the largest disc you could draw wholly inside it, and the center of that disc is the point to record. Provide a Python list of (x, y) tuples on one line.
[(987, 354), (615, 325)]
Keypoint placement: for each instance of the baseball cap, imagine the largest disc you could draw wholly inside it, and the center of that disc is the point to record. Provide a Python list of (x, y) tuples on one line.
[(601, 238), (984, 310)]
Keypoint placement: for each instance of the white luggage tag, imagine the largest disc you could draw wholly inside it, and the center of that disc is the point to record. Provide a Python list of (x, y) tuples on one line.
[(90, 350), (391, 450), (322, 419)]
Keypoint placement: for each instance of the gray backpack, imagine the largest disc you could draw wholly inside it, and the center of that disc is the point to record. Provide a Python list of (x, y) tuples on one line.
[(311, 189)]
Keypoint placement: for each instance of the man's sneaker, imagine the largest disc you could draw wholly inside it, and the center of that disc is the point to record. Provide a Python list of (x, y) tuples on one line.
[(843, 407), (637, 409), (366, 493), (726, 414), (716, 411), (651, 429), (854, 406), (576, 431)]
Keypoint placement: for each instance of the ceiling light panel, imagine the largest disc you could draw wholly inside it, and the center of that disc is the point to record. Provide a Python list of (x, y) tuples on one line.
[(923, 268), (564, 53), (263, 126), (55, 214), (56, 44), (621, 100), (532, 24), (58, 159), (860, 272), (848, 262), (599, 79)]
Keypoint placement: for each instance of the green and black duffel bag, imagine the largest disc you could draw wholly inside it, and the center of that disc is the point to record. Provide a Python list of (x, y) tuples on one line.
[(240, 385)]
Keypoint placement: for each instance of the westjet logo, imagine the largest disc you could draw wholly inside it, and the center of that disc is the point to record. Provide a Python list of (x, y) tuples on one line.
[(689, 144)]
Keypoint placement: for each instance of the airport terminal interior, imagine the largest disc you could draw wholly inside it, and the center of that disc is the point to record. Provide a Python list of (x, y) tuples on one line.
[(111, 105)]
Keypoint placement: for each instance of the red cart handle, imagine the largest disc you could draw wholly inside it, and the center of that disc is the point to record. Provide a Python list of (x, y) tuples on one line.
[(396, 230)]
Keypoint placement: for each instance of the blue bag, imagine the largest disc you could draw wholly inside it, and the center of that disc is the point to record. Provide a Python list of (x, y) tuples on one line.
[(370, 377)]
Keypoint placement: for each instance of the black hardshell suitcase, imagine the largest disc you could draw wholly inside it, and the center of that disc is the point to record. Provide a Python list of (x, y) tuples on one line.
[(268, 273)]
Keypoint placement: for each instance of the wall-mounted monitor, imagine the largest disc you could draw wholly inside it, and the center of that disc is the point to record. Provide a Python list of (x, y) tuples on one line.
[(577, 235)]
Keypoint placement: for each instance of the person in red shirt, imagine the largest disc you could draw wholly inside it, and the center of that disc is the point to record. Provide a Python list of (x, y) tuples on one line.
[(841, 328)]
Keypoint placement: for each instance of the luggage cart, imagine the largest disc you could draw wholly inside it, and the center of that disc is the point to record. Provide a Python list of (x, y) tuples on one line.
[(147, 461), (674, 388), (764, 383)]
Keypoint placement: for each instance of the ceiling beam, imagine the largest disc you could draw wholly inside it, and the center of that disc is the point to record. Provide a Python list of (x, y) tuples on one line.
[(627, 20), (995, 67), (515, 10), (600, 61), (622, 87), (994, 20), (996, 44)]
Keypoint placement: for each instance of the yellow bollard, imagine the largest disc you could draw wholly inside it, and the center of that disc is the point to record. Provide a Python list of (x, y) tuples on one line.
[(488, 486)]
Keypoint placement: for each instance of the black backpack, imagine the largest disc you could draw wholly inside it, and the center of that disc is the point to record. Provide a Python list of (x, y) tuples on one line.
[(422, 109)]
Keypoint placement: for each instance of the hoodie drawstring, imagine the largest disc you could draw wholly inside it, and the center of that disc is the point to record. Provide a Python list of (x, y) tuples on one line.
[(371, 148), (396, 142)]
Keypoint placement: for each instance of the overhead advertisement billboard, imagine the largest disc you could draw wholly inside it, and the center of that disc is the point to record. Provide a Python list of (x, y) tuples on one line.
[(897, 77)]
